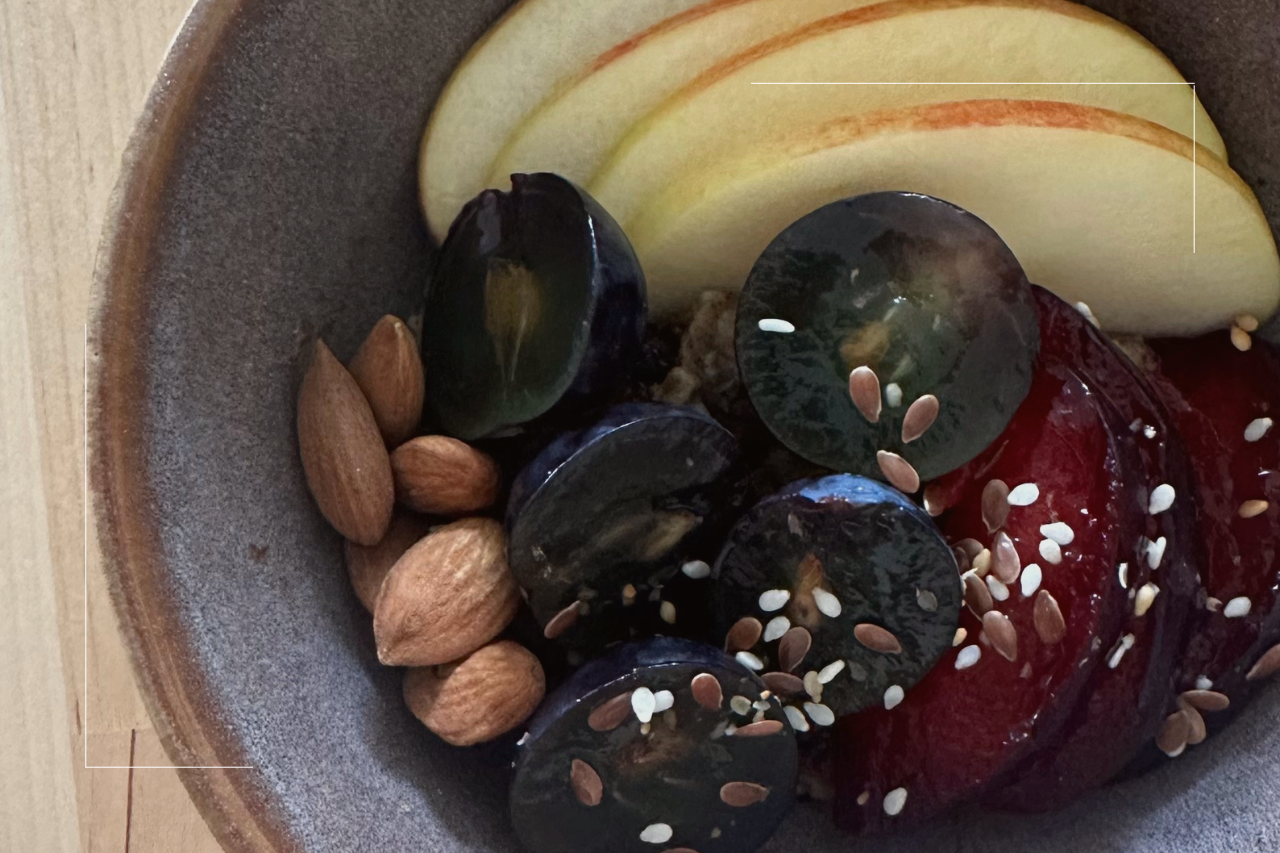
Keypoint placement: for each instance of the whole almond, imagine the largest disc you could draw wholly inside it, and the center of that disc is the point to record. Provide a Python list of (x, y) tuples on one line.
[(439, 475), (388, 369), (486, 694), (345, 461), (367, 565), (447, 596)]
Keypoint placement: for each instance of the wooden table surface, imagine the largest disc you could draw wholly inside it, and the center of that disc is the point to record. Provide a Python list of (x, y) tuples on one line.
[(73, 77)]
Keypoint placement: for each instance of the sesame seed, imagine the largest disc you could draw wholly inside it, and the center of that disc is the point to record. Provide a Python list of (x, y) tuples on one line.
[(968, 656), (696, 569), (1267, 665), (893, 697), (1058, 531), (900, 473), (1206, 700), (783, 683), (796, 718), (820, 714), (643, 703), (1146, 596), (1248, 322), (926, 600), (1031, 578), (1149, 431), (656, 833), (1051, 627), (668, 612), (864, 390), (932, 503), (827, 603), (1050, 552), (830, 671), (893, 395), (1161, 499), (775, 325), (1237, 608), (1117, 654), (750, 661), (1024, 495), (1204, 682), (1123, 571), (977, 596), (777, 626), (982, 563), (999, 591), (812, 686), (662, 701), (894, 801), (864, 798), (1240, 339), (1088, 314), (1136, 425), (740, 705), (1252, 509), (1005, 563), (1174, 734), (1004, 637), (1155, 552), (1256, 429), (774, 599), (961, 633), (919, 417)]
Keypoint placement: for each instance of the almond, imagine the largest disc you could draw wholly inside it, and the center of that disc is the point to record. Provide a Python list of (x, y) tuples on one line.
[(447, 596), (367, 565), (388, 369), (486, 694), (438, 475), (345, 461)]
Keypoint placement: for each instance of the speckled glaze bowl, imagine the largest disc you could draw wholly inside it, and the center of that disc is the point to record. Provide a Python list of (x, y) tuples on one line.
[(269, 196)]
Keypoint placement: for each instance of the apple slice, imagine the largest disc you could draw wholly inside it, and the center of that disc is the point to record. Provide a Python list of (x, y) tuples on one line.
[(1096, 205), (508, 72), (915, 42), (573, 130)]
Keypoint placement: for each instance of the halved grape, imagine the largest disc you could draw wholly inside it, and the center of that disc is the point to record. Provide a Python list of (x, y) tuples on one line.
[(921, 294), (537, 298)]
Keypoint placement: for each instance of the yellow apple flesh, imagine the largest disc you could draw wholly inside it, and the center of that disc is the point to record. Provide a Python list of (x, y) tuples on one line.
[(1097, 206), (995, 42)]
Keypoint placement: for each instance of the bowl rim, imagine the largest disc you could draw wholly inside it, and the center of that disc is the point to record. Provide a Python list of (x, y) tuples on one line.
[(233, 802)]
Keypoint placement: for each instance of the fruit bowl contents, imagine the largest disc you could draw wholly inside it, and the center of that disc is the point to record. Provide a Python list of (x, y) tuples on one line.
[(885, 448)]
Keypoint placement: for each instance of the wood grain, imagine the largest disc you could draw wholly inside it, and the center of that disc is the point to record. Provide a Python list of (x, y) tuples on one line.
[(73, 78)]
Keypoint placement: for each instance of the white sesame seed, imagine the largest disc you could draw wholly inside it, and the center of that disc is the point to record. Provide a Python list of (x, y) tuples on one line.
[(750, 661), (1088, 314), (772, 324), (893, 395), (968, 656), (524, 738), (820, 714), (1123, 646), (656, 833), (696, 569), (1146, 596), (999, 591), (1026, 670), (1155, 552), (1256, 429), (774, 599), (643, 703), (812, 685), (777, 626), (893, 697), (1058, 531), (961, 633), (827, 603), (1149, 431), (729, 730), (1161, 499), (1136, 425), (1204, 682), (1031, 578), (1123, 571), (830, 671), (1024, 495), (796, 717), (926, 600), (668, 612), (894, 801), (662, 701), (1237, 608), (761, 704), (1050, 552), (740, 705)]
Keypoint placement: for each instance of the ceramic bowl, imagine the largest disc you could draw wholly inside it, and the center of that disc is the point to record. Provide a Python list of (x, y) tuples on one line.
[(269, 196)]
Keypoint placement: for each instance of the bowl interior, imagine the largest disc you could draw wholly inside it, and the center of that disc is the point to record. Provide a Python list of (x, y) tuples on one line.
[(288, 209)]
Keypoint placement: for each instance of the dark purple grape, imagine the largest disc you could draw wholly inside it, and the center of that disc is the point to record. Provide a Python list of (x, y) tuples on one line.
[(850, 570), (922, 293), (537, 299), (663, 745), (604, 518)]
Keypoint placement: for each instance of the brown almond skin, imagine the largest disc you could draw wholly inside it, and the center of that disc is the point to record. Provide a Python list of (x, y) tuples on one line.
[(449, 594), (438, 475), (388, 369), (367, 565), (480, 697), (346, 463)]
